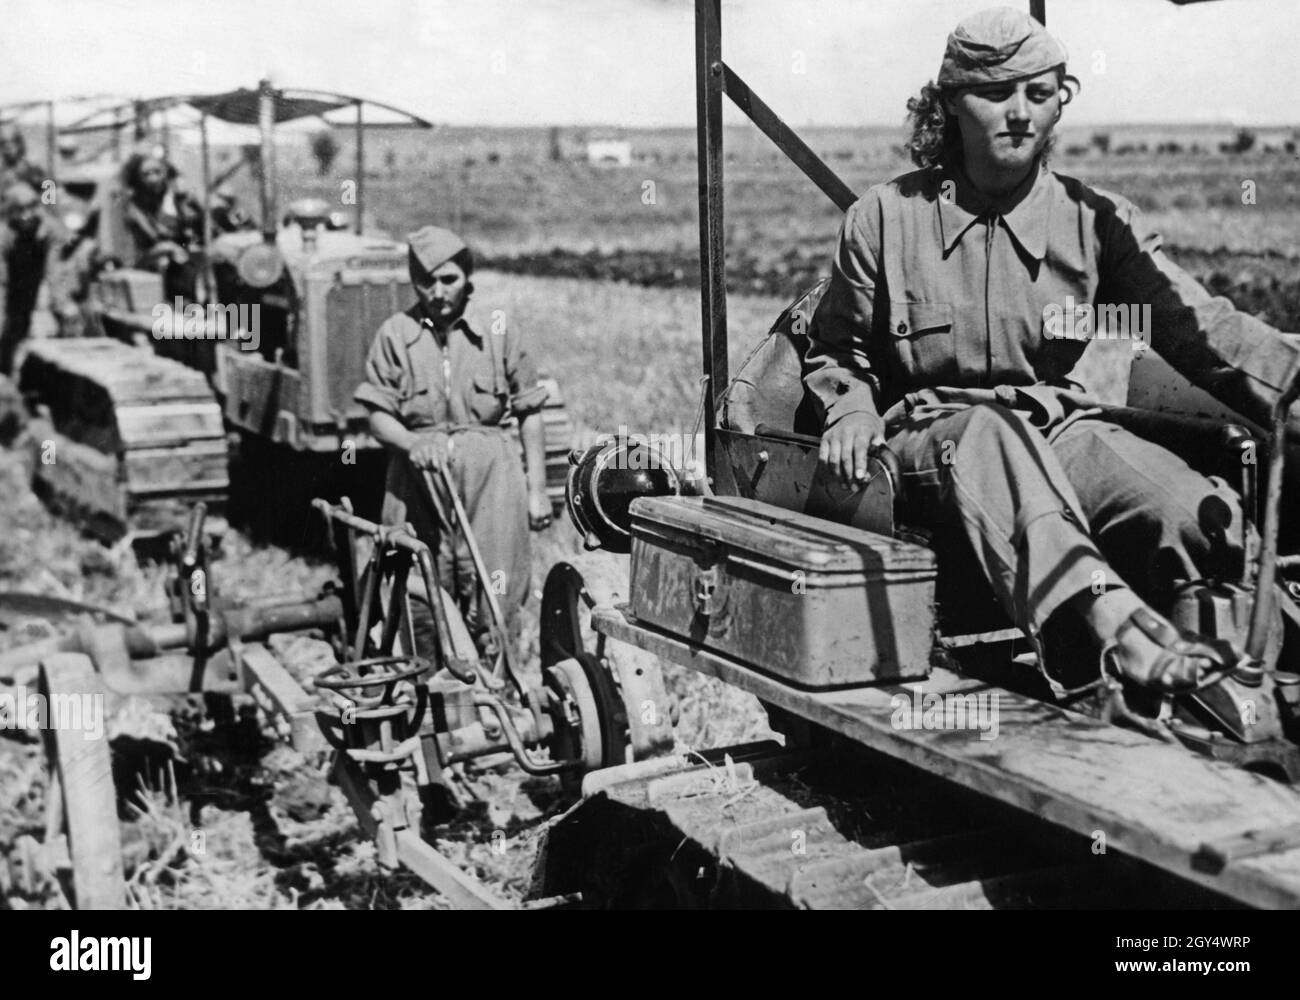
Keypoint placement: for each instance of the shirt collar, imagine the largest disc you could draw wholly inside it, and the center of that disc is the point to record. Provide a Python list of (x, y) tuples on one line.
[(1026, 219), (468, 323)]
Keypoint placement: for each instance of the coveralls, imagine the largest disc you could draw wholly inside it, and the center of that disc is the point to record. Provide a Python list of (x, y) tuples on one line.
[(26, 260), (465, 387), (176, 217), (935, 318)]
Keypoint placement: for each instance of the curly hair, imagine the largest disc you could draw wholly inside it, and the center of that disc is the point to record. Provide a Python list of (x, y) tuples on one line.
[(936, 138), (131, 170)]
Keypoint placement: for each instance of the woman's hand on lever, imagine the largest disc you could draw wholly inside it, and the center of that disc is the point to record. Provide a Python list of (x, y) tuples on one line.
[(429, 451), (539, 510), (848, 444)]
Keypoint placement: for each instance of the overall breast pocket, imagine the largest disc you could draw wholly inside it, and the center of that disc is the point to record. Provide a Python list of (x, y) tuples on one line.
[(415, 405), (485, 402), (922, 336)]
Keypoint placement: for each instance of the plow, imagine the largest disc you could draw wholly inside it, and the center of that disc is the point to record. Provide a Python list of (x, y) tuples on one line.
[(393, 722)]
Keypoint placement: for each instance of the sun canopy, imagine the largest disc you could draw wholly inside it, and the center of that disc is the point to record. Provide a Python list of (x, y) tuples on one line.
[(240, 107)]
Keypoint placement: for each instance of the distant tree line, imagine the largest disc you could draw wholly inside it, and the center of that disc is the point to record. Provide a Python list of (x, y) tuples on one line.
[(1243, 142)]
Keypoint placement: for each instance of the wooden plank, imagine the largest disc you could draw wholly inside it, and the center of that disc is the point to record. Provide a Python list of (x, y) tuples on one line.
[(1151, 800), (285, 696), (1253, 843), (463, 890)]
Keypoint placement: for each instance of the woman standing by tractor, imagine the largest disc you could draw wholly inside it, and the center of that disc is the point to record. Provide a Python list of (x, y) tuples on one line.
[(934, 337), (440, 382)]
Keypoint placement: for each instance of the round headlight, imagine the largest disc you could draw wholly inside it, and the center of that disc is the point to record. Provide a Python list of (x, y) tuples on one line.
[(260, 266), (603, 481)]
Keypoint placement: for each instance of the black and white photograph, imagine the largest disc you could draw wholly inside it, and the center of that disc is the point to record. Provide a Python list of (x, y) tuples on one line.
[(651, 455)]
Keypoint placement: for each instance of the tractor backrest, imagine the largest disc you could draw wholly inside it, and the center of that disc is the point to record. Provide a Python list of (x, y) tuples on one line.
[(769, 438), (768, 388)]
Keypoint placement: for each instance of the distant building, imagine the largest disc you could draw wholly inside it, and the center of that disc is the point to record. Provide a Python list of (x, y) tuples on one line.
[(608, 149)]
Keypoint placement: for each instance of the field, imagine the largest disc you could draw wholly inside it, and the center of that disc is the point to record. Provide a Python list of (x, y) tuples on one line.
[(599, 270), (529, 202), (503, 189)]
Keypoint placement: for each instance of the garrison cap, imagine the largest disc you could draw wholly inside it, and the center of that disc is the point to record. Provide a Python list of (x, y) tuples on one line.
[(432, 246), (997, 45)]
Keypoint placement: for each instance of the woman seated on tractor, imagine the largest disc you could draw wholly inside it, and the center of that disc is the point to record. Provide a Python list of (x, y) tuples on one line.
[(440, 382), (165, 222), (935, 337)]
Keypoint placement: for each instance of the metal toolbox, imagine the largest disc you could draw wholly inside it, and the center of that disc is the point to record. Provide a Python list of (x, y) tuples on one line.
[(817, 604)]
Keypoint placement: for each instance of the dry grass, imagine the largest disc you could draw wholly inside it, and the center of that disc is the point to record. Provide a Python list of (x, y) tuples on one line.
[(500, 187)]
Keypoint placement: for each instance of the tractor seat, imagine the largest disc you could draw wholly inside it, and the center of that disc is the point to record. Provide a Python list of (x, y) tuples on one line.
[(766, 398)]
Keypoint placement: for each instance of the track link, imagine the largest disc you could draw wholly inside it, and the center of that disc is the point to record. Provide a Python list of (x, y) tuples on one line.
[(758, 826)]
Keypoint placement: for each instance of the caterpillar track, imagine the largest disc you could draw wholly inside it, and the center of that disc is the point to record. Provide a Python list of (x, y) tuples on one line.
[(758, 826), (1059, 810), (126, 439)]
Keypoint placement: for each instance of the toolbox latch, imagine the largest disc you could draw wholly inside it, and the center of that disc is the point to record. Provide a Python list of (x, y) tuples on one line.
[(706, 591)]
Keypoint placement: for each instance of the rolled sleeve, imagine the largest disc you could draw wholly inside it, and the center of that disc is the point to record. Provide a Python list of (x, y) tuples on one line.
[(386, 372), (837, 370), (527, 394), (60, 271), (1240, 360)]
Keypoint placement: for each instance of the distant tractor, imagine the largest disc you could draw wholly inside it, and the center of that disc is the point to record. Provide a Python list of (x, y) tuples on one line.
[(284, 321)]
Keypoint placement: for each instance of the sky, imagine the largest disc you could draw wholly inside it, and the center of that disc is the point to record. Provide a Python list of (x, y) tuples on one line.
[(631, 62)]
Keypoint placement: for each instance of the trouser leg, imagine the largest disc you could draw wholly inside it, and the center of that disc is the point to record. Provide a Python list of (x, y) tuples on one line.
[(983, 476), (1155, 518), (16, 327), (488, 476), (491, 482)]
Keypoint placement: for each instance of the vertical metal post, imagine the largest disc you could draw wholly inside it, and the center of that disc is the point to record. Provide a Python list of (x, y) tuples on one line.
[(1038, 11), (713, 261), (361, 168), (208, 295), (266, 126), (51, 143)]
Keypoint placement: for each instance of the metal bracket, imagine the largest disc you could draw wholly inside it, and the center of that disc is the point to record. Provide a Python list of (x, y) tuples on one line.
[(705, 592)]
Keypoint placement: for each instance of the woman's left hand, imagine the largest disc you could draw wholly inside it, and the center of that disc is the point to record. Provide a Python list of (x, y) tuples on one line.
[(539, 511)]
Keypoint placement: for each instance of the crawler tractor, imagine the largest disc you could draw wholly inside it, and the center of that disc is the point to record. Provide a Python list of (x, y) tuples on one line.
[(821, 601), (817, 600), (269, 353)]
